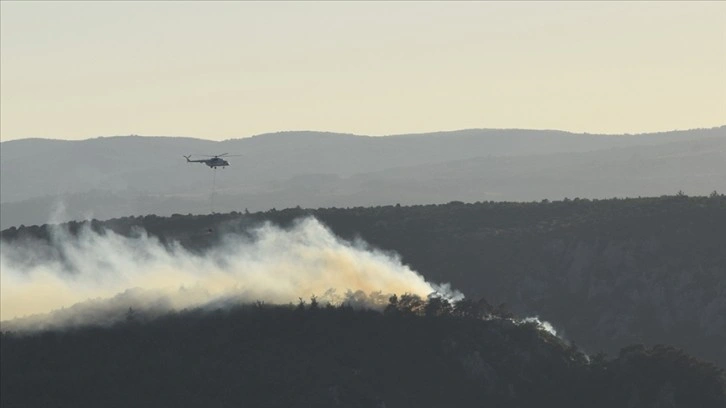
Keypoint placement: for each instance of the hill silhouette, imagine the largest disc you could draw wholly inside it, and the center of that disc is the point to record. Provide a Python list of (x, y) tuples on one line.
[(132, 175), (417, 353)]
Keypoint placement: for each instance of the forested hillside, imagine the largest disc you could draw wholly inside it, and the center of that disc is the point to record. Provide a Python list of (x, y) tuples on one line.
[(416, 353), (605, 273)]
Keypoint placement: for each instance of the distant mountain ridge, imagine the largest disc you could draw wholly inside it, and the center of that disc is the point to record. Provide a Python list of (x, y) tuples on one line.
[(130, 175)]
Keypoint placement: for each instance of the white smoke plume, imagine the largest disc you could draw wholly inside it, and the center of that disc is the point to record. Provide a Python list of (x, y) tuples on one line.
[(541, 324), (93, 278)]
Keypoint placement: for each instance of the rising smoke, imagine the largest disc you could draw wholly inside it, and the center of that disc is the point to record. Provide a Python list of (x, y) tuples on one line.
[(95, 277)]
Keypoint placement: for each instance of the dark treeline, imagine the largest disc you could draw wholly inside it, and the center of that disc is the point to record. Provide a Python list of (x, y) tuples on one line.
[(423, 353), (606, 273)]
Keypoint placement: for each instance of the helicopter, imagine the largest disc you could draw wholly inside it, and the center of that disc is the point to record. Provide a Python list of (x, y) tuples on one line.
[(213, 162)]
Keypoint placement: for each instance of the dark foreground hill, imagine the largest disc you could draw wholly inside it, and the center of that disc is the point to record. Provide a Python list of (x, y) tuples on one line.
[(605, 273), (416, 353)]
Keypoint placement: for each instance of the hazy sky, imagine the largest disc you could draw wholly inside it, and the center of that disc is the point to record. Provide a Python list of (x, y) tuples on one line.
[(221, 70)]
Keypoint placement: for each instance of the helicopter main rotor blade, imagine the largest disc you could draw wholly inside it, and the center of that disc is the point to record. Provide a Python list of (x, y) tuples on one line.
[(219, 155)]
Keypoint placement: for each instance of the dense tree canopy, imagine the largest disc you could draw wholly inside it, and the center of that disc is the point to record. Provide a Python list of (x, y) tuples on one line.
[(419, 352)]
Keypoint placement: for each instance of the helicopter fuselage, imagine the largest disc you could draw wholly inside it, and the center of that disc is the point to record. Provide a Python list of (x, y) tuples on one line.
[(214, 162)]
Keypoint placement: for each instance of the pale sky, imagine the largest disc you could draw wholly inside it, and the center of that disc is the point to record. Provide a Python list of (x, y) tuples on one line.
[(220, 70)]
